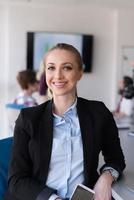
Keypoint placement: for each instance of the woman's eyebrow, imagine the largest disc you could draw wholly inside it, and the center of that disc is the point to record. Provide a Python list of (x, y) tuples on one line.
[(67, 63), (50, 63)]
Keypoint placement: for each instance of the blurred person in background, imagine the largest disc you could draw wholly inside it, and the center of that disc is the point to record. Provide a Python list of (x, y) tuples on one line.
[(126, 92), (28, 84)]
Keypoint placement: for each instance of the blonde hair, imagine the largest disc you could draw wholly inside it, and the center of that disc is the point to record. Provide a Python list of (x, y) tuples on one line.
[(70, 48)]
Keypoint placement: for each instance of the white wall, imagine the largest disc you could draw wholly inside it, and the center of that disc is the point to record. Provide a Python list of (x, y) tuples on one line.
[(102, 23), (92, 20), (125, 34), (3, 67)]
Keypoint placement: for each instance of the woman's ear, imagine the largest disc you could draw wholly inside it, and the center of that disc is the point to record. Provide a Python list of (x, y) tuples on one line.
[(80, 74)]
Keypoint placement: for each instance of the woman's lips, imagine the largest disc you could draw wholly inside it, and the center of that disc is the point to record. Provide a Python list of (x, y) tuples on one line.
[(59, 84)]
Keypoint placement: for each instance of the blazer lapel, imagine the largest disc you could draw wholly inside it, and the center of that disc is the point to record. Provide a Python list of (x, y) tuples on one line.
[(46, 139), (87, 135)]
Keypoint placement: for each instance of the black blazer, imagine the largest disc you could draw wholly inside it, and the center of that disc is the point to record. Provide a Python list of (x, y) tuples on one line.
[(32, 147)]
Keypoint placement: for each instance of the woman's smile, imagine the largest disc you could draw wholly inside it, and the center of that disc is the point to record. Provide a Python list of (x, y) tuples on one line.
[(60, 84)]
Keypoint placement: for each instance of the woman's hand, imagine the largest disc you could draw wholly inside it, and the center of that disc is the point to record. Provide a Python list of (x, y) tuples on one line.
[(103, 187)]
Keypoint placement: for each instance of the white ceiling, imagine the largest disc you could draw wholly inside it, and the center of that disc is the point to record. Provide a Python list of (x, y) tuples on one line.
[(109, 3)]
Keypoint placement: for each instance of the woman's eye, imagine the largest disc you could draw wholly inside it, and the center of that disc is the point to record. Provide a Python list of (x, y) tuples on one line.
[(67, 68), (51, 68)]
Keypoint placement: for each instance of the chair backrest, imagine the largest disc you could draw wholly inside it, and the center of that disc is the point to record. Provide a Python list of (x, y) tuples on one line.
[(5, 153), (15, 106)]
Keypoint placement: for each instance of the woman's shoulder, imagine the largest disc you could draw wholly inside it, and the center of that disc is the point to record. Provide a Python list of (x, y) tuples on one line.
[(36, 111), (90, 102), (93, 106)]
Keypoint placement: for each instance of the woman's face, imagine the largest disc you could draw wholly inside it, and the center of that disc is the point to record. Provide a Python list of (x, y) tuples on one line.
[(62, 72), (121, 87), (121, 84)]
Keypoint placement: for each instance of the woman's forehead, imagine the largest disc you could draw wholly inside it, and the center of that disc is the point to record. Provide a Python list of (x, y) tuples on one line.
[(58, 54)]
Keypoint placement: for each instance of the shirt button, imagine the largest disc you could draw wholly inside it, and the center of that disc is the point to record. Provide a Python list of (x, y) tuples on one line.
[(68, 155)]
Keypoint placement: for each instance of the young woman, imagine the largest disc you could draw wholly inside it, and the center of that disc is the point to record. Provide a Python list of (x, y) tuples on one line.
[(57, 144)]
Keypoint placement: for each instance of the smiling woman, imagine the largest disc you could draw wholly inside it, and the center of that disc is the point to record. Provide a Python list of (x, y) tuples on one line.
[(63, 72), (57, 144)]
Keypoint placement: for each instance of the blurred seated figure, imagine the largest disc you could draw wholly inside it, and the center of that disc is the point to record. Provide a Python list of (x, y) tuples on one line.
[(29, 85), (125, 104)]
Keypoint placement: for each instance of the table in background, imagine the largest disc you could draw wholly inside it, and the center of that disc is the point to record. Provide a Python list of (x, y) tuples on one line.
[(125, 187)]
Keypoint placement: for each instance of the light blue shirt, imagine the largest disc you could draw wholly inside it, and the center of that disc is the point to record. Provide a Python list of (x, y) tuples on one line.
[(66, 168), (66, 165)]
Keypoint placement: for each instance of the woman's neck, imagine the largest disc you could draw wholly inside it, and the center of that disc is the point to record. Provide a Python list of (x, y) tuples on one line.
[(61, 104)]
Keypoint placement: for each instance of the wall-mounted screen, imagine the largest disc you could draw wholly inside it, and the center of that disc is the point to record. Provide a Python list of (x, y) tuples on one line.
[(38, 43)]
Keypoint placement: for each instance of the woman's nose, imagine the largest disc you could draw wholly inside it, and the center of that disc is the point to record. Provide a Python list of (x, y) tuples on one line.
[(58, 74)]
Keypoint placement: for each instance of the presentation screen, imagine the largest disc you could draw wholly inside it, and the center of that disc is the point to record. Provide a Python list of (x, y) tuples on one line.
[(38, 44)]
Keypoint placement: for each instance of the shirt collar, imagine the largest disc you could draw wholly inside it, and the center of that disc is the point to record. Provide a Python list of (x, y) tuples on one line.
[(72, 108), (70, 111)]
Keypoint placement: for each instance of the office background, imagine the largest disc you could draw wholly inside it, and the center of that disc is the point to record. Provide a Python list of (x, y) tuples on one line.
[(110, 24)]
